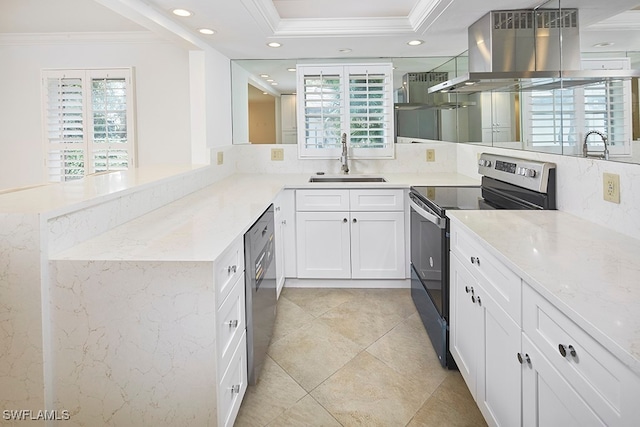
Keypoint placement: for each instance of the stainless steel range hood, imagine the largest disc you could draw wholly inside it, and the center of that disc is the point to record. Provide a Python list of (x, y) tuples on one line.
[(415, 93), (523, 50)]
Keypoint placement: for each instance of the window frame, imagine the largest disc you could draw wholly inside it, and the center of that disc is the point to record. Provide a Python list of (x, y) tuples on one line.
[(89, 147), (344, 72)]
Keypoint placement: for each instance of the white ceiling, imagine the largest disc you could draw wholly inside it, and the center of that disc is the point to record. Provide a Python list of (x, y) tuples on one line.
[(314, 28)]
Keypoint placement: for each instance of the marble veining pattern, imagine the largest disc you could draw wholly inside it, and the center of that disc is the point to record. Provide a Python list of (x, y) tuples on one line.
[(589, 272), (21, 361), (200, 226), (131, 345)]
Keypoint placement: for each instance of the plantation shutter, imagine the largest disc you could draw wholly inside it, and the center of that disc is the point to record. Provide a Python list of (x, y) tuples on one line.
[(88, 122), (352, 99)]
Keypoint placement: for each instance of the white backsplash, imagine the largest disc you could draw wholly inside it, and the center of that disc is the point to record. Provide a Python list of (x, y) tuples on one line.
[(579, 186), (409, 158)]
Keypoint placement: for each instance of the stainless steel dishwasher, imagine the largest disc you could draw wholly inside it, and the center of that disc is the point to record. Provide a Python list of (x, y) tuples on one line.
[(260, 280)]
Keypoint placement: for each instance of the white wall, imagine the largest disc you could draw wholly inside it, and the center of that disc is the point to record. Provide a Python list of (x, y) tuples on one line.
[(579, 186), (162, 97)]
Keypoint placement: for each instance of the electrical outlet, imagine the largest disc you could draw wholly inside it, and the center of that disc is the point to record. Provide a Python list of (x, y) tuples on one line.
[(431, 155), (611, 187), (277, 154), (220, 157)]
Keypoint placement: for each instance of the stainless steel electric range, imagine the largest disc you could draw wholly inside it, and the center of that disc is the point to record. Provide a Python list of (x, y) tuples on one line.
[(507, 183)]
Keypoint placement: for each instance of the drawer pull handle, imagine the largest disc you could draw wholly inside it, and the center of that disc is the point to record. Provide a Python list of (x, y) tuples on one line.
[(235, 389), (567, 349), (522, 358), (468, 289), (232, 323), (475, 260), (232, 269), (479, 301)]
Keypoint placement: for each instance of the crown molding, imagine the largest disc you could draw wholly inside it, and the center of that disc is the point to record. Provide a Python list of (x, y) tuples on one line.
[(92, 37), (421, 17)]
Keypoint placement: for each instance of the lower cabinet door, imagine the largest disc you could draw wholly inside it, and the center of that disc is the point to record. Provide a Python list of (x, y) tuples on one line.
[(323, 242), (499, 372), (233, 385), (464, 323), (377, 245), (547, 398)]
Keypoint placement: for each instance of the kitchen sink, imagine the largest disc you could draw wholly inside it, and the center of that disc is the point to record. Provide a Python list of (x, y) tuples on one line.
[(346, 178)]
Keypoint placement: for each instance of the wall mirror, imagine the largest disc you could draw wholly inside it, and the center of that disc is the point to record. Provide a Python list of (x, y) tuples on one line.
[(554, 120)]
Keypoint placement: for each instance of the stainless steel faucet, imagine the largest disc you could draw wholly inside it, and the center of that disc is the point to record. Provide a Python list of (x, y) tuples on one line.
[(344, 157), (585, 149)]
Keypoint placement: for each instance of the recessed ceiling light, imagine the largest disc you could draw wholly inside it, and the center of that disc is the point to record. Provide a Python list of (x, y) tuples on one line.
[(346, 50), (270, 80), (265, 93), (206, 31), (603, 44), (182, 12), (415, 42), (469, 83), (264, 76), (291, 69), (274, 83), (274, 44)]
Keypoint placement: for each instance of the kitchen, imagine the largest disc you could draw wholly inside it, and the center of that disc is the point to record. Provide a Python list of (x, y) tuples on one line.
[(207, 120)]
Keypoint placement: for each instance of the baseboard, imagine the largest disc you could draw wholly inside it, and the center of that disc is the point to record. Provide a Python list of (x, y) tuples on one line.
[(349, 283)]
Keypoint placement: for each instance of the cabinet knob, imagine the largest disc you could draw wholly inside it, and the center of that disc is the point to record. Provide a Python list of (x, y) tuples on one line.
[(473, 298), (232, 323), (524, 358), (277, 208), (232, 269), (355, 220), (475, 260), (479, 301), (345, 220), (564, 349), (468, 289), (284, 222)]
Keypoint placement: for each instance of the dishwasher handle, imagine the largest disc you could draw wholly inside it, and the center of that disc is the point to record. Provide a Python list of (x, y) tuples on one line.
[(423, 211)]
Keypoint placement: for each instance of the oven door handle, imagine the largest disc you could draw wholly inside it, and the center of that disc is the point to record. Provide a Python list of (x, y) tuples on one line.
[(440, 222)]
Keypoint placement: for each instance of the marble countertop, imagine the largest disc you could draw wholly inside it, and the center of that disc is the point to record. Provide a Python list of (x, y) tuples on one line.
[(56, 198), (200, 226), (589, 272)]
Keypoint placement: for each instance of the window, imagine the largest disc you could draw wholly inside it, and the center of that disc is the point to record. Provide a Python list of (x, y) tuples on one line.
[(88, 122), (562, 117), (352, 99)]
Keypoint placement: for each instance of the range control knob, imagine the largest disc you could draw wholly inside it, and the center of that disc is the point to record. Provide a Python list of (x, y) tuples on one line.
[(484, 163), (530, 173)]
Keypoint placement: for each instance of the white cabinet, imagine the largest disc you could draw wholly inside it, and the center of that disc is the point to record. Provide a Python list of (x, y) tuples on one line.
[(288, 119), (284, 218), (356, 234), (597, 386), (484, 342), (231, 344), (524, 361), (497, 117)]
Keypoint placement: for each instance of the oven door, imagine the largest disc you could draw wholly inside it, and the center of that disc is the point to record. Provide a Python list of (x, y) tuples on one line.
[(429, 253), (429, 275)]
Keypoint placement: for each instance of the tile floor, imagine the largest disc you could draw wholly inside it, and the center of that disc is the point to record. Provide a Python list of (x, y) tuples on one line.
[(354, 357)]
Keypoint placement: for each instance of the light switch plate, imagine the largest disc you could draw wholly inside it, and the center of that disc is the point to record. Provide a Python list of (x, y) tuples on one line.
[(277, 154), (611, 187), (220, 157)]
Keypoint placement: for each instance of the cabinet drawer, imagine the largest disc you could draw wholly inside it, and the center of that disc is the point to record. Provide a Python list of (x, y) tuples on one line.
[(603, 381), (233, 385), (504, 286), (377, 200), (322, 200), (230, 322), (228, 268)]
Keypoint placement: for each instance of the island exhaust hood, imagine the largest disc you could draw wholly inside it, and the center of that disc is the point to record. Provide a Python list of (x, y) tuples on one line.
[(516, 50), (414, 94)]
